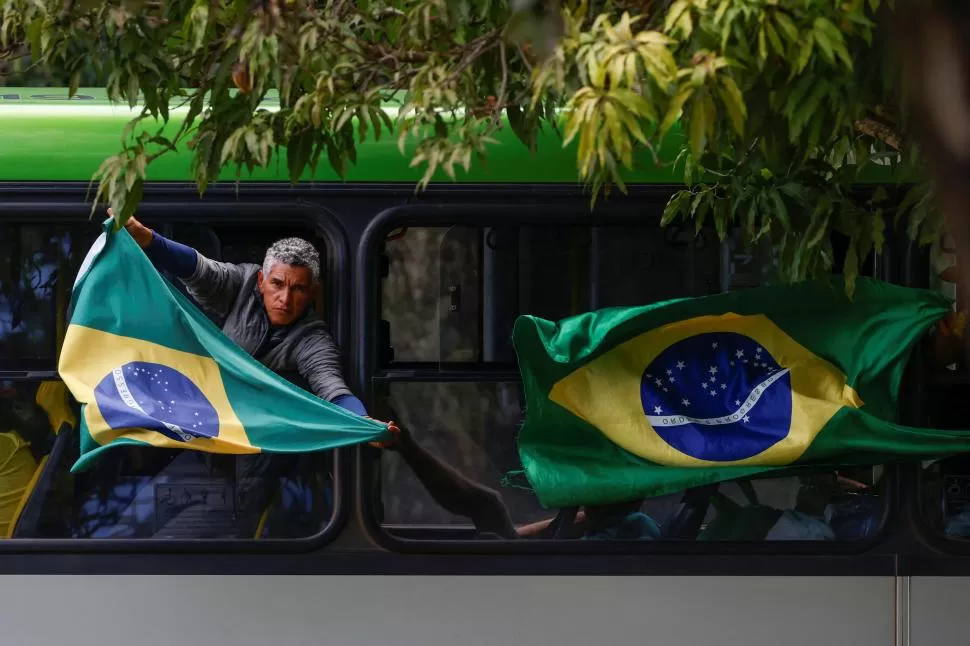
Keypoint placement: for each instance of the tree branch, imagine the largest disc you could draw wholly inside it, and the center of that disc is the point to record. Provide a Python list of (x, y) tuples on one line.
[(882, 132), (504, 88)]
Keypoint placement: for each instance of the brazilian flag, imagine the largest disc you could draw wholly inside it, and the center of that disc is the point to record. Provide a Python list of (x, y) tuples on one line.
[(149, 369), (627, 403)]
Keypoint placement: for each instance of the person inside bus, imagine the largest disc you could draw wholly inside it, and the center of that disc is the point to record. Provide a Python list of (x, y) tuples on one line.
[(830, 506), (460, 495), (265, 309)]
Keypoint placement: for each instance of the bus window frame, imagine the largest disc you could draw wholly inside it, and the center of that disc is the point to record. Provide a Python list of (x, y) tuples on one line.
[(915, 272), (337, 294), (369, 371)]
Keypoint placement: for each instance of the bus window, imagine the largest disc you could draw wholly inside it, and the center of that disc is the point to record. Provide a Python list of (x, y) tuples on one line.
[(945, 484), (451, 294), (133, 492), (472, 425), (449, 299), (34, 258)]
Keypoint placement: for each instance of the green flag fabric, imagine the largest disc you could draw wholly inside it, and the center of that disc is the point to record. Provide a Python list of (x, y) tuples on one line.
[(627, 403), (150, 369)]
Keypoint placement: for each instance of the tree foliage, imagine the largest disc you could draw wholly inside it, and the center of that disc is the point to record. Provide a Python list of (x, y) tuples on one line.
[(784, 104)]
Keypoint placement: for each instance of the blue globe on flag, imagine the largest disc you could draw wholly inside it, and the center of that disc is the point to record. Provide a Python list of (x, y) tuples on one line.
[(718, 396), (153, 396)]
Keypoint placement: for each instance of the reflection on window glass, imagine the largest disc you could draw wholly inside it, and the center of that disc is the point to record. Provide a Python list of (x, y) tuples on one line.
[(163, 494), (148, 493), (945, 500), (471, 427), (945, 487), (33, 295), (131, 492), (452, 294), (19, 70), (34, 417), (749, 265)]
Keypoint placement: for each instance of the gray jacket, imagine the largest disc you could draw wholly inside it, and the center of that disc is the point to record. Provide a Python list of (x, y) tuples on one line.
[(303, 352)]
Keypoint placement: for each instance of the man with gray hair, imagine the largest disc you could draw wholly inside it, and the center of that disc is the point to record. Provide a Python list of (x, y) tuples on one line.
[(265, 310)]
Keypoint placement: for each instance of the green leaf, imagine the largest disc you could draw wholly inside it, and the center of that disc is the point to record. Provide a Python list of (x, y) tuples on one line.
[(878, 231), (674, 14), (700, 207), (673, 111), (824, 40), (721, 10), (819, 226), (698, 126), (834, 39), (674, 206), (774, 39), (781, 211), (808, 108), (440, 127), (132, 90), (335, 158), (786, 25), (734, 102), (804, 54), (34, 34), (721, 214), (850, 269), (912, 197), (751, 218), (132, 200), (298, 154)]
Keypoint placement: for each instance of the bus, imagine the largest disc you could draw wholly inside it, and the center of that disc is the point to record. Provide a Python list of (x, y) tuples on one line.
[(420, 290)]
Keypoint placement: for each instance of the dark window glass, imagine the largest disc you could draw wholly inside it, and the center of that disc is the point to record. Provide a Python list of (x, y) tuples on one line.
[(452, 293), (451, 296), (37, 266), (132, 492), (472, 427), (945, 486)]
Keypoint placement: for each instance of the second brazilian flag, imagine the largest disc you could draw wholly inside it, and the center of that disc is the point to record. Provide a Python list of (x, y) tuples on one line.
[(635, 402)]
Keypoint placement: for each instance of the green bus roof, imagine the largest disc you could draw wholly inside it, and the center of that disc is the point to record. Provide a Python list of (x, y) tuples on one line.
[(44, 136)]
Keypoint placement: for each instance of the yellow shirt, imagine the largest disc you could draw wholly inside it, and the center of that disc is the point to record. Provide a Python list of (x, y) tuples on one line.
[(17, 467)]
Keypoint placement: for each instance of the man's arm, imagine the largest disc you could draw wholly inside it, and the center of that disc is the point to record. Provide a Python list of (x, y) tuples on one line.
[(214, 285), (319, 364), (351, 403), (452, 490), (318, 361)]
